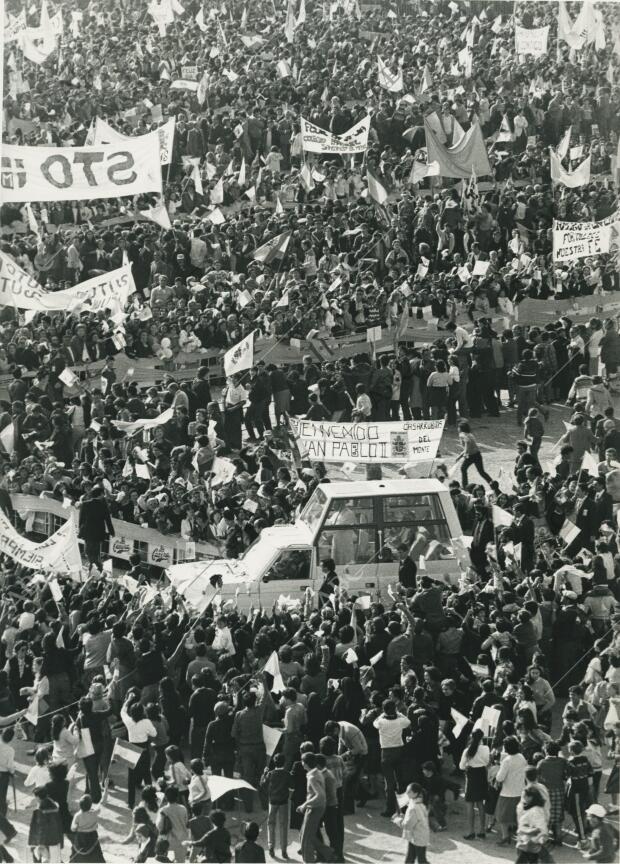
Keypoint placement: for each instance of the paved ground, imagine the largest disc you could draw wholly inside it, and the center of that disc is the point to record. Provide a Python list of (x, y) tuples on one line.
[(369, 837)]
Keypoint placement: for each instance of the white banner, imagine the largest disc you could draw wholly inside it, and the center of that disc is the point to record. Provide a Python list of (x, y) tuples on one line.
[(130, 428), (17, 288), (108, 291), (532, 42), (127, 168), (60, 553), (573, 240), (317, 140), (404, 441), (105, 134), (20, 290)]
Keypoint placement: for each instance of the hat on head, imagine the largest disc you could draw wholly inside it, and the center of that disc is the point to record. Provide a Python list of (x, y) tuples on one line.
[(596, 810)]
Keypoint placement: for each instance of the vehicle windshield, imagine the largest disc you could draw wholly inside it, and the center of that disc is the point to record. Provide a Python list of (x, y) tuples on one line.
[(257, 556), (311, 514)]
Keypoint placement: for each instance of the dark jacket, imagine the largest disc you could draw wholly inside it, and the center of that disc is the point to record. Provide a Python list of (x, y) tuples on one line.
[(95, 520)]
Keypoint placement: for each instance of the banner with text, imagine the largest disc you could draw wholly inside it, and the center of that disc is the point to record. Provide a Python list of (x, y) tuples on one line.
[(60, 553), (572, 240), (403, 441), (317, 140), (129, 167), (532, 42)]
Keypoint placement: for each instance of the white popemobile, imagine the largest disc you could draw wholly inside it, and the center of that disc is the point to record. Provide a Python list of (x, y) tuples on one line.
[(358, 524)]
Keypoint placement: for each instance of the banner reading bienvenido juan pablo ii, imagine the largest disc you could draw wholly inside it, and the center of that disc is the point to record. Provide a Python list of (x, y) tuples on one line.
[(404, 441)]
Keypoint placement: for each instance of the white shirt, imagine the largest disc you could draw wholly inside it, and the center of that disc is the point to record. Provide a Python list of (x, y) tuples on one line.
[(223, 642), (480, 759), (511, 775), (140, 732), (391, 730), (26, 621)]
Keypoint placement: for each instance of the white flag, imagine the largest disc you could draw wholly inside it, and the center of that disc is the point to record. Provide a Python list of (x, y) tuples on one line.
[(273, 667), (240, 356), (158, 213), (562, 148), (501, 517), (216, 195), (589, 463)]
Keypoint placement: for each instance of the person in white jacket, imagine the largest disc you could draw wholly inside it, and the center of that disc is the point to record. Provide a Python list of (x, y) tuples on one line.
[(532, 825), (414, 824)]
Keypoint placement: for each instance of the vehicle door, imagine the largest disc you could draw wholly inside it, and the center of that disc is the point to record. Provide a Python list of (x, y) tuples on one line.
[(288, 575), (349, 537)]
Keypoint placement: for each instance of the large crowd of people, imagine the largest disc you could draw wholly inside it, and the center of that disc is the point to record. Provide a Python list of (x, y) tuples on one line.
[(504, 689)]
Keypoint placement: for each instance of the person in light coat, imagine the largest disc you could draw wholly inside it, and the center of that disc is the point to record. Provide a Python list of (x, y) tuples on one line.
[(415, 827), (598, 398), (532, 826)]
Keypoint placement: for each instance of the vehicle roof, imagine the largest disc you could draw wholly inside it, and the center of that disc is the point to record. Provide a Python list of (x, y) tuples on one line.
[(360, 488)]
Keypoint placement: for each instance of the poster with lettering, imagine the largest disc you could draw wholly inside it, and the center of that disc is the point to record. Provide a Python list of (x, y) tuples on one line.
[(399, 442), (160, 555), (531, 42), (120, 547), (125, 168), (572, 240)]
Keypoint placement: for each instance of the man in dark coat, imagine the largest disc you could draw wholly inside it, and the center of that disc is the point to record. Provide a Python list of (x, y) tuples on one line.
[(95, 524)]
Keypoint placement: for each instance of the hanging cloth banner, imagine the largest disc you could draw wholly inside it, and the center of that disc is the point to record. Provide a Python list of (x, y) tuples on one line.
[(573, 240), (317, 140), (405, 441), (105, 134), (19, 290), (129, 167), (531, 42), (60, 553)]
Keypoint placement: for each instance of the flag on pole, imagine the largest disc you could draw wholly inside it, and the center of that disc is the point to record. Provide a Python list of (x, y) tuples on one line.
[(241, 178), (589, 463), (32, 222), (427, 81), (274, 248), (305, 175), (289, 24), (301, 15), (573, 179), (158, 213), (240, 356), (126, 752), (279, 208), (569, 532), (201, 93), (375, 189), (387, 79), (216, 195), (501, 517), (471, 195), (273, 667), (562, 148)]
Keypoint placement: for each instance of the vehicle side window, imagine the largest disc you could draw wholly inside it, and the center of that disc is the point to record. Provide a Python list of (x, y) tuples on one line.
[(348, 545), (417, 521), (349, 511), (291, 564)]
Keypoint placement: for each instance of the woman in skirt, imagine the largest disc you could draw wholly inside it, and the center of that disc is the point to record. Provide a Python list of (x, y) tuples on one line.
[(553, 772), (474, 762), (86, 846)]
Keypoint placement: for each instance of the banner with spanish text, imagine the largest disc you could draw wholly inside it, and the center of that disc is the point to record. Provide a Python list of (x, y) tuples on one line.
[(401, 442), (130, 167), (532, 42), (60, 553), (317, 140), (573, 240)]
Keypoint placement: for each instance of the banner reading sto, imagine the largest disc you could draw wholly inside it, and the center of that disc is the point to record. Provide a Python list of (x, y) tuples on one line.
[(80, 173), (403, 441)]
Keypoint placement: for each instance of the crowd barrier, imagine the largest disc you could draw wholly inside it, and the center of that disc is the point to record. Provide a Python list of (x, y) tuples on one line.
[(419, 332), (44, 516)]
